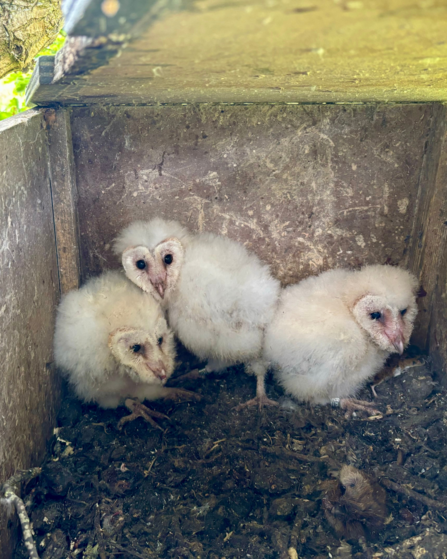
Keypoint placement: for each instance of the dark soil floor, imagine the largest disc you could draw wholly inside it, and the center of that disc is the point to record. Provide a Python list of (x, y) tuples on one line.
[(217, 483)]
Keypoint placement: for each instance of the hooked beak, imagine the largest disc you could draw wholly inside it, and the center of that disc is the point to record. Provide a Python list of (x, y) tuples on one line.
[(161, 374), (158, 280), (397, 339), (158, 369), (160, 288), (399, 345)]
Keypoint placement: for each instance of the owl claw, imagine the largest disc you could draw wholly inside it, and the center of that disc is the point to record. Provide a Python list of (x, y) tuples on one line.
[(139, 410), (259, 401), (351, 405)]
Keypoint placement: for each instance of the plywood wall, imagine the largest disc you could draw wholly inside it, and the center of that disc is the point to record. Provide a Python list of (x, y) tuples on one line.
[(306, 187), (29, 289)]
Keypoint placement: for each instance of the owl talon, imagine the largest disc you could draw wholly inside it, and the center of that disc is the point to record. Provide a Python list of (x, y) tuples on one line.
[(259, 401), (351, 405), (139, 410)]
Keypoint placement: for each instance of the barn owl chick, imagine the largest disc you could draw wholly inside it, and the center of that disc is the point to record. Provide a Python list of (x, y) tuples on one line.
[(219, 297), (113, 343), (334, 331)]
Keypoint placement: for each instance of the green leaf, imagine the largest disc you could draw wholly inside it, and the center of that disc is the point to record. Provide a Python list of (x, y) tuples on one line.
[(21, 83), (12, 77), (54, 47), (13, 104)]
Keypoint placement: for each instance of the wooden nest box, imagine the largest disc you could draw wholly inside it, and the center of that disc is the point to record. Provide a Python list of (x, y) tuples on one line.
[(313, 131)]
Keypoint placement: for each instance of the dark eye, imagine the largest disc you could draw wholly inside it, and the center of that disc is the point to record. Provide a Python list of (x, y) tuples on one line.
[(136, 348), (168, 259), (403, 312), (160, 340), (375, 315), (141, 264)]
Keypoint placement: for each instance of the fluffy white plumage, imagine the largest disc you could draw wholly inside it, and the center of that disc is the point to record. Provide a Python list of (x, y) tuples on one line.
[(327, 337), (96, 328), (219, 297), (149, 233)]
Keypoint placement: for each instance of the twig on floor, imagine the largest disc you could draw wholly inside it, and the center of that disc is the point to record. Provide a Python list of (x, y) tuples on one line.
[(294, 535), (427, 501), (98, 532), (10, 490), (298, 456), (126, 550)]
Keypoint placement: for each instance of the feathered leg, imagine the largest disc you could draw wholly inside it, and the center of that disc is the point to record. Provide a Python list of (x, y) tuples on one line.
[(258, 367)]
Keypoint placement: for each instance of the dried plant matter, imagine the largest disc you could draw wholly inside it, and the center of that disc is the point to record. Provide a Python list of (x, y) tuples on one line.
[(10, 490)]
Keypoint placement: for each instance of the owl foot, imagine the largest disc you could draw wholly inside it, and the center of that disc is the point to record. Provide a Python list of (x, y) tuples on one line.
[(351, 405), (137, 410), (259, 401)]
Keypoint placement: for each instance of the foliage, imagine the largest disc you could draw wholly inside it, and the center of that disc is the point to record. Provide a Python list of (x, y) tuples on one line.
[(13, 86)]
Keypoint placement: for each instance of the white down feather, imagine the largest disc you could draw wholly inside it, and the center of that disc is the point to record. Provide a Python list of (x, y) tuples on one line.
[(85, 318), (314, 342), (223, 299)]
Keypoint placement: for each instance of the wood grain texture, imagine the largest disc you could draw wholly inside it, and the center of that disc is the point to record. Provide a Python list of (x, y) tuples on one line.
[(306, 188), (289, 51), (434, 264), (29, 291), (427, 242), (65, 198)]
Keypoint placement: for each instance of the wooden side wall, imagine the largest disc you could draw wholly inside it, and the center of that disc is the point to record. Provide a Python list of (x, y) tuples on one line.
[(435, 242), (29, 291)]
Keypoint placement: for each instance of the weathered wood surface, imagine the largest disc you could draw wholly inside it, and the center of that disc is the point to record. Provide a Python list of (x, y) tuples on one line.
[(65, 198), (427, 241), (42, 76), (434, 267), (239, 51), (306, 188), (29, 389)]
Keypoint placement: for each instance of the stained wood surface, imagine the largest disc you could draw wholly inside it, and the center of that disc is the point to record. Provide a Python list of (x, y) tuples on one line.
[(65, 198), (29, 291), (434, 266), (313, 51), (306, 188)]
